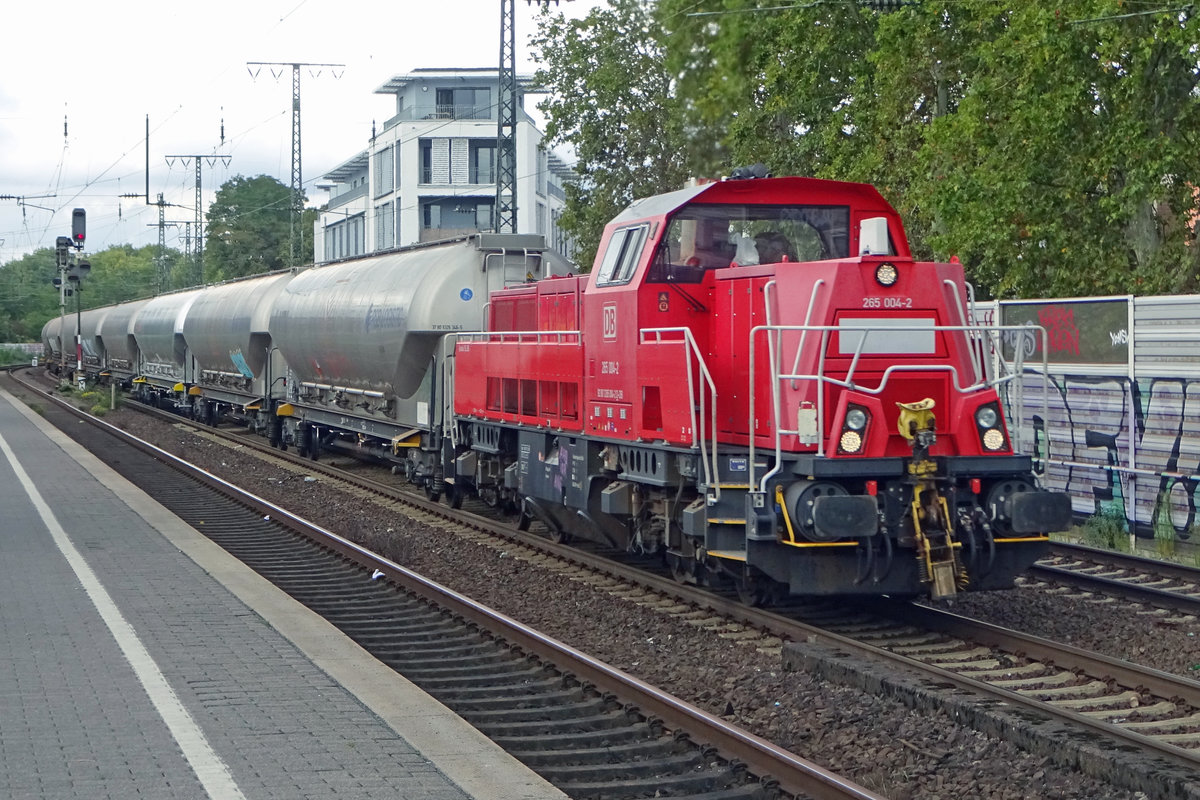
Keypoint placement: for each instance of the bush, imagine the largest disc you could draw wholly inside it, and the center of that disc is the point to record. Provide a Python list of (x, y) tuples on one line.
[(11, 355), (99, 410), (1107, 530)]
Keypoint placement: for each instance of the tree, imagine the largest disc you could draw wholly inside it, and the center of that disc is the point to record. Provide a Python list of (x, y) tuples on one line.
[(28, 298), (249, 229), (1049, 146), (612, 101)]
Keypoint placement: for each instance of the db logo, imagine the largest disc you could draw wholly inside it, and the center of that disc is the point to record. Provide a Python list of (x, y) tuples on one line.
[(610, 322)]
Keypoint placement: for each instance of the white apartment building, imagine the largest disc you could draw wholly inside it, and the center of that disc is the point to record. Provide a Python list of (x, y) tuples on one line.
[(430, 173)]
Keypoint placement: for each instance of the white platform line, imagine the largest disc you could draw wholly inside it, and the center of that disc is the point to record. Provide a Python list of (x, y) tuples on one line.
[(214, 775)]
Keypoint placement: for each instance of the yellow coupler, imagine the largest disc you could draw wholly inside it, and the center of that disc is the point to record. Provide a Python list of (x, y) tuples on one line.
[(937, 552)]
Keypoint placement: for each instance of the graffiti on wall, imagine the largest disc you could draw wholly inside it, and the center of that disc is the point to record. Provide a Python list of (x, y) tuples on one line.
[(1122, 447)]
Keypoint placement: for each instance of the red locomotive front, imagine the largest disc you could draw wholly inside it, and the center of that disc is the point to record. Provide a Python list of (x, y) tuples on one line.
[(758, 382)]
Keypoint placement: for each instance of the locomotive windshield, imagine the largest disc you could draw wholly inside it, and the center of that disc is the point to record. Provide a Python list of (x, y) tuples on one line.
[(715, 236)]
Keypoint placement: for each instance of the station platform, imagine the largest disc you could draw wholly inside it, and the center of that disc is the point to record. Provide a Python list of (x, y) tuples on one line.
[(138, 659)]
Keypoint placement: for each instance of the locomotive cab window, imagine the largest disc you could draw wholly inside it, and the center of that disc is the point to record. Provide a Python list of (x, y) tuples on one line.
[(622, 256), (704, 237)]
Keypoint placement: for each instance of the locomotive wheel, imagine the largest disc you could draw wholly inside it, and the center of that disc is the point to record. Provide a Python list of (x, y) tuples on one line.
[(454, 497), (433, 494), (682, 569), (524, 520)]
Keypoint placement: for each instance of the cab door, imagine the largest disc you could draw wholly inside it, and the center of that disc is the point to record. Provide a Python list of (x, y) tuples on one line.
[(611, 330)]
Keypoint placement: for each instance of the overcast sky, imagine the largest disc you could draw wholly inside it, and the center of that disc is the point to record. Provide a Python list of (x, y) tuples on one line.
[(105, 66)]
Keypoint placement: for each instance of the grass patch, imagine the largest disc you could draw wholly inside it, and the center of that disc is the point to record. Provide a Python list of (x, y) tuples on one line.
[(1107, 530)]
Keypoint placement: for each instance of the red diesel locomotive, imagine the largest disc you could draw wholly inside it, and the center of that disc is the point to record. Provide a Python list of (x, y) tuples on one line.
[(758, 382)]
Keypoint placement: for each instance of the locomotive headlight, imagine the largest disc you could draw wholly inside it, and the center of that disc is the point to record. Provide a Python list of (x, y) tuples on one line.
[(851, 442), (993, 439), (856, 419), (986, 417), (886, 274)]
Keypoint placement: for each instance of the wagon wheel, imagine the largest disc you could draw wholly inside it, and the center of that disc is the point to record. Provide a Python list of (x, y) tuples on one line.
[(682, 571), (454, 496)]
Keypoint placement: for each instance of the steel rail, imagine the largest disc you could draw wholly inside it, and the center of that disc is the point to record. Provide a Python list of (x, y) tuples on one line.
[(1064, 656), (1166, 569), (792, 773), (1162, 598)]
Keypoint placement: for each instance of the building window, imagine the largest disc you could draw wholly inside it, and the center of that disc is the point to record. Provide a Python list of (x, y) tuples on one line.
[(426, 161), (463, 104), (435, 161), (457, 215), (385, 171), (431, 216), (483, 161), (384, 227), (357, 237), (483, 216)]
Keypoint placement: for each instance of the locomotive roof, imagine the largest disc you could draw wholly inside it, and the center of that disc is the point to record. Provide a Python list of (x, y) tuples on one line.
[(758, 190)]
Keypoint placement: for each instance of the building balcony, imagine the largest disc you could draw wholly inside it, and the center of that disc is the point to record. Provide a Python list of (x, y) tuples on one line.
[(338, 200), (442, 112)]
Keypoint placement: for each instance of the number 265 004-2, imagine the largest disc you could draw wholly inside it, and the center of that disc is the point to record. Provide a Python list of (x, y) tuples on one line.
[(887, 302)]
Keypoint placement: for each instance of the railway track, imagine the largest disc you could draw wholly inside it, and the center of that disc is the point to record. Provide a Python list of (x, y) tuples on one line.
[(591, 730), (1135, 708), (1175, 587)]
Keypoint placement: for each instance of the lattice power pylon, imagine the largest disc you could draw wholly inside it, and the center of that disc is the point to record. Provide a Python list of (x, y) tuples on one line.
[(506, 123), (199, 225), (296, 233), (506, 118)]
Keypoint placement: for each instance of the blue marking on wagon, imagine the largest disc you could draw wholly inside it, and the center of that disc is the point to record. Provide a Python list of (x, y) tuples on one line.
[(466, 294), (382, 318), (239, 361)]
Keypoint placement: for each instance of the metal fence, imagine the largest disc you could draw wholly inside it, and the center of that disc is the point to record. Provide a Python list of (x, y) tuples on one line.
[(1121, 431)]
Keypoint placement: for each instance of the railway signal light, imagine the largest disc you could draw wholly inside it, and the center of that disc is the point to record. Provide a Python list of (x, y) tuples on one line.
[(61, 246), (78, 226)]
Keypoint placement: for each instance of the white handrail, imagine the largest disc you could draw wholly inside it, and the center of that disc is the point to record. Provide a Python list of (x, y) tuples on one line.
[(775, 334), (449, 343), (706, 455)]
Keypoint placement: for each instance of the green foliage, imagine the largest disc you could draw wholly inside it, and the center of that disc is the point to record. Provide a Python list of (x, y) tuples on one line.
[(611, 99), (249, 229), (1107, 530), (11, 355), (1050, 146), (28, 299)]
